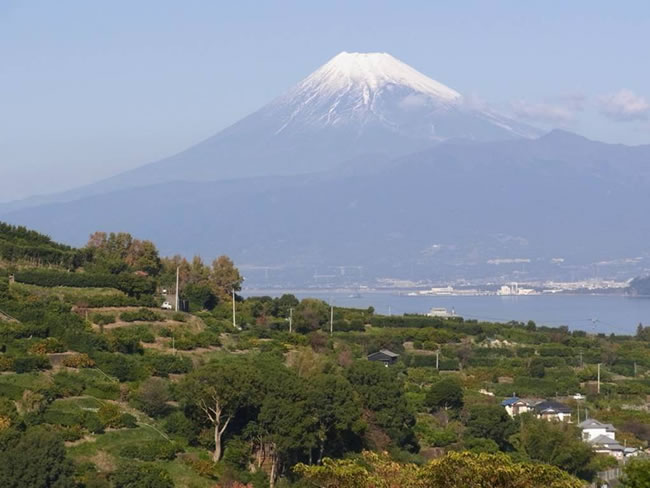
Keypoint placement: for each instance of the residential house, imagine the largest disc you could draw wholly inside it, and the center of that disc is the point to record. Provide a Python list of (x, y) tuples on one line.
[(552, 410), (383, 356), (602, 438), (592, 428), (515, 406), (544, 409)]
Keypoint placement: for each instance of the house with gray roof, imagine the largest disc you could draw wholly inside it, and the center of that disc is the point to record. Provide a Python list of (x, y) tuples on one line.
[(384, 356)]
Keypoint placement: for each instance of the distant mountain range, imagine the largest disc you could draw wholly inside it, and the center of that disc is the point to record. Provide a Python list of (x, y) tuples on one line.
[(369, 164)]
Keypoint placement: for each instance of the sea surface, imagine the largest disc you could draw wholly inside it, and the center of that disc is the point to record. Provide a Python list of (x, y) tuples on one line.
[(593, 313)]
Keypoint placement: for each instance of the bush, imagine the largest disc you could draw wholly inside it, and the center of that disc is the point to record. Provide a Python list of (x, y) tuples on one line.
[(66, 384), (6, 363), (150, 451), (179, 425), (128, 421), (109, 415), (141, 476), (165, 364), (78, 361), (123, 367), (26, 364), (141, 315), (102, 318), (92, 422), (131, 284), (152, 397), (49, 345)]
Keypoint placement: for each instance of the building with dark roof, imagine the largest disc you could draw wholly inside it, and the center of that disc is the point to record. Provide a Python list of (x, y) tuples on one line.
[(552, 410), (384, 356)]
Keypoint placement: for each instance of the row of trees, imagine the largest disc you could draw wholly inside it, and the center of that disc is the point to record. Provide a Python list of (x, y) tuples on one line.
[(289, 418)]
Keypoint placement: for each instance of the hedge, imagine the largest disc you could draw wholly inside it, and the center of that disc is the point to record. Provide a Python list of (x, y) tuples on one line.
[(25, 364), (141, 315), (150, 451), (131, 284)]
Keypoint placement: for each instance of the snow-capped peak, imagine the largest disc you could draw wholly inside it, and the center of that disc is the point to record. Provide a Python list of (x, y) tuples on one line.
[(374, 71)]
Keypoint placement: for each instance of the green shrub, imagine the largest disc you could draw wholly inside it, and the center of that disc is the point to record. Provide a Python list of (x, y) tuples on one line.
[(177, 424), (121, 366), (131, 284), (102, 318), (25, 364), (128, 421), (150, 451), (13, 392), (166, 364), (141, 475), (141, 315)]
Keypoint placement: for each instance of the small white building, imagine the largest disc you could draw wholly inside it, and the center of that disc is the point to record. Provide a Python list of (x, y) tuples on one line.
[(516, 406), (592, 429)]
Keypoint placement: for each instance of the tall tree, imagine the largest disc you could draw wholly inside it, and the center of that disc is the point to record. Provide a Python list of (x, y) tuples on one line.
[(225, 277), (446, 393), (220, 390), (490, 422)]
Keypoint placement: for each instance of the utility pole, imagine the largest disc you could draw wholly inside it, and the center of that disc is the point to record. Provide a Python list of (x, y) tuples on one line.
[(177, 270), (437, 358), (290, 320), (599, 378), (331, 319), (635, 369), (234, 321), (581, 363)]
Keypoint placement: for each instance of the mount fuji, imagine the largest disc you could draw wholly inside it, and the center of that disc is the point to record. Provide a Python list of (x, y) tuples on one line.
[(354, 107)]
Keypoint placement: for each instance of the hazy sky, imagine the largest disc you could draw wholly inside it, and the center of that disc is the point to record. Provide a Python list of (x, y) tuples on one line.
[(90, 88)]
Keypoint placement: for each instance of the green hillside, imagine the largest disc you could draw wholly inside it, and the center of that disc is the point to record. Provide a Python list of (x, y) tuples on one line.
[(107, 389)]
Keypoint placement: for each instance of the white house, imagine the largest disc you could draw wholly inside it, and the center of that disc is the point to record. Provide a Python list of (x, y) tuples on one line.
[(602, 438), (591, 429), (515, 406)]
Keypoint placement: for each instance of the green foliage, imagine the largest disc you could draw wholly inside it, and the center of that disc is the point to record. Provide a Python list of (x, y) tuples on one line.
[(152, 396), (554, 443), (446, 394), (200, 296), (454, 470), (490, 422), (141, 315), (17, 244), (310, 315), (165, 364), (636, 474), (150, 451), (131, 284), (102, 318), (123, 367), (24, 364), (141, 476), (35, 458), (382, 392)]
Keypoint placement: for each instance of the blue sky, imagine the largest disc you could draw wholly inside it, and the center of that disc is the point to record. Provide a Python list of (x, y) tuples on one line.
[(88, 89)]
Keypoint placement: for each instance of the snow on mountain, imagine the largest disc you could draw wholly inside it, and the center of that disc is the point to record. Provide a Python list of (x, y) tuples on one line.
[(359, 90)]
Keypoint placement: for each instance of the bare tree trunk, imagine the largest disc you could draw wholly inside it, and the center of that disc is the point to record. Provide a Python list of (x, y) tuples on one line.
[(216, 455), (274, 467), (216, 417)]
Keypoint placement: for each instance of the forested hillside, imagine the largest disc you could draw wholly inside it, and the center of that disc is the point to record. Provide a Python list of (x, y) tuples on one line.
[(107, 389)]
